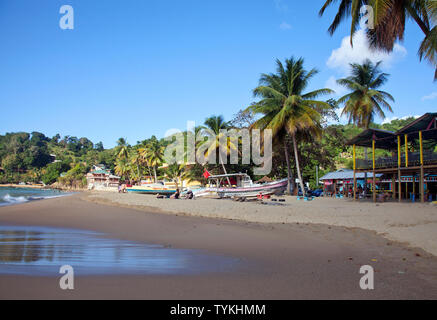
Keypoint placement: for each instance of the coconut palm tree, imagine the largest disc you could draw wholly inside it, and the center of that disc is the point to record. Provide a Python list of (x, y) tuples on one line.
[(122, 149), (122, 168), (389, 22), (286, 109), (214, 125), (136, 161), (428, 46), (176, 173), (154, 155), (143, 159), (365, 101)]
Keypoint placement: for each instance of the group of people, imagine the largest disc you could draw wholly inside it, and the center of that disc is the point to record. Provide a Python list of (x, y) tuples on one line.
[(122, 188), (177, 195)]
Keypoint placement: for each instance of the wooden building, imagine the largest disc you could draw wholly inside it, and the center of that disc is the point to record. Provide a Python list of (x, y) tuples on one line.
[(413, 153)]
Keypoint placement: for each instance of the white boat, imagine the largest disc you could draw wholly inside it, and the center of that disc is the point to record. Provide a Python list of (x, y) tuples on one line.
[(153, 188), (242, 186)]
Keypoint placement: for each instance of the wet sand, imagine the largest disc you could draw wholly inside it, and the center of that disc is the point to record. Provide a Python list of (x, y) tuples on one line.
[(411, 223), (280, 261)]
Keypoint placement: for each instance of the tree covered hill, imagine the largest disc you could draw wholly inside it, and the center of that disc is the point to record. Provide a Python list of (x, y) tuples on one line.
[(33, 157)]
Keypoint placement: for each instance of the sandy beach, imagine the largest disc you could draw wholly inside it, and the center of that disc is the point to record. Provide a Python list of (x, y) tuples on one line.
[(278, 261), (413, 224)]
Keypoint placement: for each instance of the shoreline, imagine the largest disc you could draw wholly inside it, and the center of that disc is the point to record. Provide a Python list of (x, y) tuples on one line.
[(282, 261), (414, 225), (33, 186), (41, 187)]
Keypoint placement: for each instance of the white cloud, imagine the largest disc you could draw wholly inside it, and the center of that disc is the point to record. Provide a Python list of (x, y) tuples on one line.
[(432, 96), (285, 26), (341, 58)]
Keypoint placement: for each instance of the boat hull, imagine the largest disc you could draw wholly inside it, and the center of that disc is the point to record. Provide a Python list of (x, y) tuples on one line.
[(149, 190), (277, 187)]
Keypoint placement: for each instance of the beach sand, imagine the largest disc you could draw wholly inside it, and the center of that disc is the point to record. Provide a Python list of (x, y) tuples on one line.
[(414, 224), (278, 261)]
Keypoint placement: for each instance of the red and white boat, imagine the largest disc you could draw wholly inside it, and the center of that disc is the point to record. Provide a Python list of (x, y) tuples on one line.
[(242, 186)]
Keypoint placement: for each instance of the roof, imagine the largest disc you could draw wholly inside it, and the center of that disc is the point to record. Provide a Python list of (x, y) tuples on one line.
[(388, 140), (425, 122), (346, 174), (383, 139), (100, 172)]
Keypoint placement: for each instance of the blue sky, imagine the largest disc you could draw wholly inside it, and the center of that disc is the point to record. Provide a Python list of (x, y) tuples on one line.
[(137, 68)]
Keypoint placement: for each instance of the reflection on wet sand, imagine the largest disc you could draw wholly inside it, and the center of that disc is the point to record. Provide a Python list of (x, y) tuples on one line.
[(41, 251)]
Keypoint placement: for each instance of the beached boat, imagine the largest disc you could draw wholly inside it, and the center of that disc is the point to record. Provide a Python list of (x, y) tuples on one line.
[(155, 188), (242, 186)]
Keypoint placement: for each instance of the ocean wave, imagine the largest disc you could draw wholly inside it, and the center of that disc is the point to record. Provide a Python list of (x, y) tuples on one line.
[(10, 200)]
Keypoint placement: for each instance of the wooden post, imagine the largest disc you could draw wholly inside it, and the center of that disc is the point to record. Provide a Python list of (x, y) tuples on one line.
[(422, 172), (406, 190), (399, 185), (374, 181), (355, 175), (406, 151), (399, 152), (393, 186), (414, 184), (399, 169)]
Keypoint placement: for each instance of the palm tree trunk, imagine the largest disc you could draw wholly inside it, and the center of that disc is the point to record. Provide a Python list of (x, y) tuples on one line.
[(297, 165), (139, 174), (149, 170), (154, 172), (287, 158), (224, 168)]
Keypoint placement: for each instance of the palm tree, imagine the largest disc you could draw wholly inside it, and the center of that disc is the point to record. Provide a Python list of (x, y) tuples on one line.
[(389, 22), (365, 101), (215, 124), (346, 8), (122, 168), (286, 109), (154, 156), (176, 173), (143, 159), (428, 46), (122, 149), (136, 160)]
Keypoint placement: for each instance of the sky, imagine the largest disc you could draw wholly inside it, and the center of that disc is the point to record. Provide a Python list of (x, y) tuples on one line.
[(137, 68)]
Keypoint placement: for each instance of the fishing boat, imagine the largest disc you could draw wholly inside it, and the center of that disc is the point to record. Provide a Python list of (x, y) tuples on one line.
[(242, 186), (155, 188)]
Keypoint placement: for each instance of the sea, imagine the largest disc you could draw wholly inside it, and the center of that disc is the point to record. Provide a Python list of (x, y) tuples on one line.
[(11, 196)]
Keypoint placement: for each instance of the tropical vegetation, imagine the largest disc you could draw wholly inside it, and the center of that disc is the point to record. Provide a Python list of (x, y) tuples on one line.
[(288, 110)]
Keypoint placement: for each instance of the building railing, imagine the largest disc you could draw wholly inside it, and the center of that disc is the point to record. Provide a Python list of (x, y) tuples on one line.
[(429, 158)]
